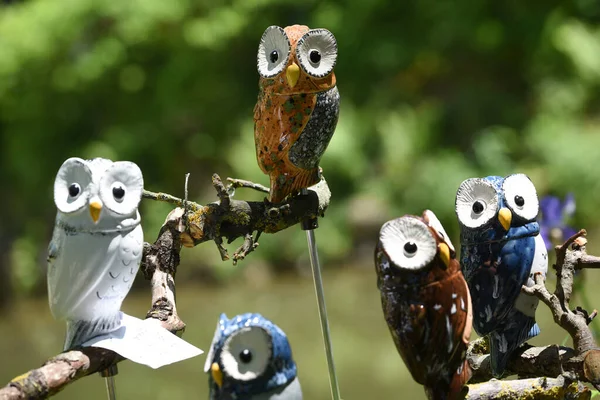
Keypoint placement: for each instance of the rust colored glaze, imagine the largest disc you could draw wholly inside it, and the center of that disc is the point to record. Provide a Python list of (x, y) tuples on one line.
[(281, 115), (428, 312)]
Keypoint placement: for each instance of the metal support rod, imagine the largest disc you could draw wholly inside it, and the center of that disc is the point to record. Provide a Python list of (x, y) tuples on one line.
[(309, 226), (109, 376)]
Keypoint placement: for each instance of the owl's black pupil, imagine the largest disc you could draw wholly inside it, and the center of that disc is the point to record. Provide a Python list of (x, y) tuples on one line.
[(410, 247), (315, 56), (118, 192), (274, 56), (477, 207), (73, 190), (246, 356), (520, 201)]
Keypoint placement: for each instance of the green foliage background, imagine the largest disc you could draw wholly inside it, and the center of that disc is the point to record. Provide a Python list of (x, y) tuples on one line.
[(433, 92)]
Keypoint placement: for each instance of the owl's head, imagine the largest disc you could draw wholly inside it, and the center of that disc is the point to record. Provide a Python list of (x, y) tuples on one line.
[(97, 194), (297, 59), (496, 208), (412, 250), (249, 355)]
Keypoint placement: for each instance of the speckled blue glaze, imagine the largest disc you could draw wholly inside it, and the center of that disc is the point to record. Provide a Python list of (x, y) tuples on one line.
[(281, 369), (496, 264)]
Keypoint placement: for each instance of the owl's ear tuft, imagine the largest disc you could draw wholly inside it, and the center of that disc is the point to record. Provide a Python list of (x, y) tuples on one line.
[(433, 221), (71, 186), (121, 187)]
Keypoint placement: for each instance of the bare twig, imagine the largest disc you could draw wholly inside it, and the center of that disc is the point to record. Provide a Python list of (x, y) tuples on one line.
[(231, 219), (167, 198), (241, 183), (574, 322), (222, 192)]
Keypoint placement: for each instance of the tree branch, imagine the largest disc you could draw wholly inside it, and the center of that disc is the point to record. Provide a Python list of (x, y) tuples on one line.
[(230, 219), (187, 225), (534, 388)]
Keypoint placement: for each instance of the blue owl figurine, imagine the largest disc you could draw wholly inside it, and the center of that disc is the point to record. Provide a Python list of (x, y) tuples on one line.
[(501, 249), (251, 359)]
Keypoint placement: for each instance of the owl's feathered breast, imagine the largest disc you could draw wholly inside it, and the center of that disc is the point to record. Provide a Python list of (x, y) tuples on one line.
[(293, 131), (496, 273), (430, 323), (90, 274)]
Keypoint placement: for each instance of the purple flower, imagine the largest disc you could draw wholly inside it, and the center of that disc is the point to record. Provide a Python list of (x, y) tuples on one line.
[(554, 218)]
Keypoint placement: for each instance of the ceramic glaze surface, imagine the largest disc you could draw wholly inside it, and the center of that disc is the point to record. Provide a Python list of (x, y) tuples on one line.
[(500, 250), (297, 108), (425, 302), (96, 245), (251, 359)]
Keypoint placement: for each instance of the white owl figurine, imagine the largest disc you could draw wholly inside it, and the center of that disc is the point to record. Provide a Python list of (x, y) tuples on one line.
[(96, 246)]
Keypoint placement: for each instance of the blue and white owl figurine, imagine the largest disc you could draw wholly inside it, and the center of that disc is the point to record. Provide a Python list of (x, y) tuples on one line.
[(96, 246), (501, 250), (251, 359)]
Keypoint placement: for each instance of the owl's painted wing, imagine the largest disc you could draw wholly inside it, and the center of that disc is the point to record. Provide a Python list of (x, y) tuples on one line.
[(496, 283), (432, 332), (306, 152)]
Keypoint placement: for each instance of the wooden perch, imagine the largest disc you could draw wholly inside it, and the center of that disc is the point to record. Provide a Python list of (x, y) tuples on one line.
[(230, 219), (560, 371), (533, 388), (187, 225)]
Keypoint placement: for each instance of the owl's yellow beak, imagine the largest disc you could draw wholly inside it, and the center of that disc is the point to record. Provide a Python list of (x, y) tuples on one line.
[(95, 209), (444, 251), (292, 74), (216, 374), (505, 218)]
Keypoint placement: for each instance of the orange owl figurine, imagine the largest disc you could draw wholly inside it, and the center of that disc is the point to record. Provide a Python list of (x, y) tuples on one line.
[(297, 108)]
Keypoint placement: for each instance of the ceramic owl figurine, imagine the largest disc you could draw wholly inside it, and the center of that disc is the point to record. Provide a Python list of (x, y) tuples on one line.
[(501, 249), (96, 246), (250, 359), (425, 302), (297, 108)]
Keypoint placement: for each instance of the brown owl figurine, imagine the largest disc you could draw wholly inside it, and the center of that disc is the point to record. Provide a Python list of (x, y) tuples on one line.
[(297, 108), (426, 302)]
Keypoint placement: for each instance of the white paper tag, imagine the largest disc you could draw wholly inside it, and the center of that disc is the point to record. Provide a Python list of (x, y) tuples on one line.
[(145, 342)]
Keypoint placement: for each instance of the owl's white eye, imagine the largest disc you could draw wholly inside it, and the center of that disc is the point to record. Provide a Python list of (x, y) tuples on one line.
[(476, 202), (246, 353), (435, 223), (317, 52), (121, 187), (71, 184), (520, 196), (273, 52), (408, 243), (118, 191)]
